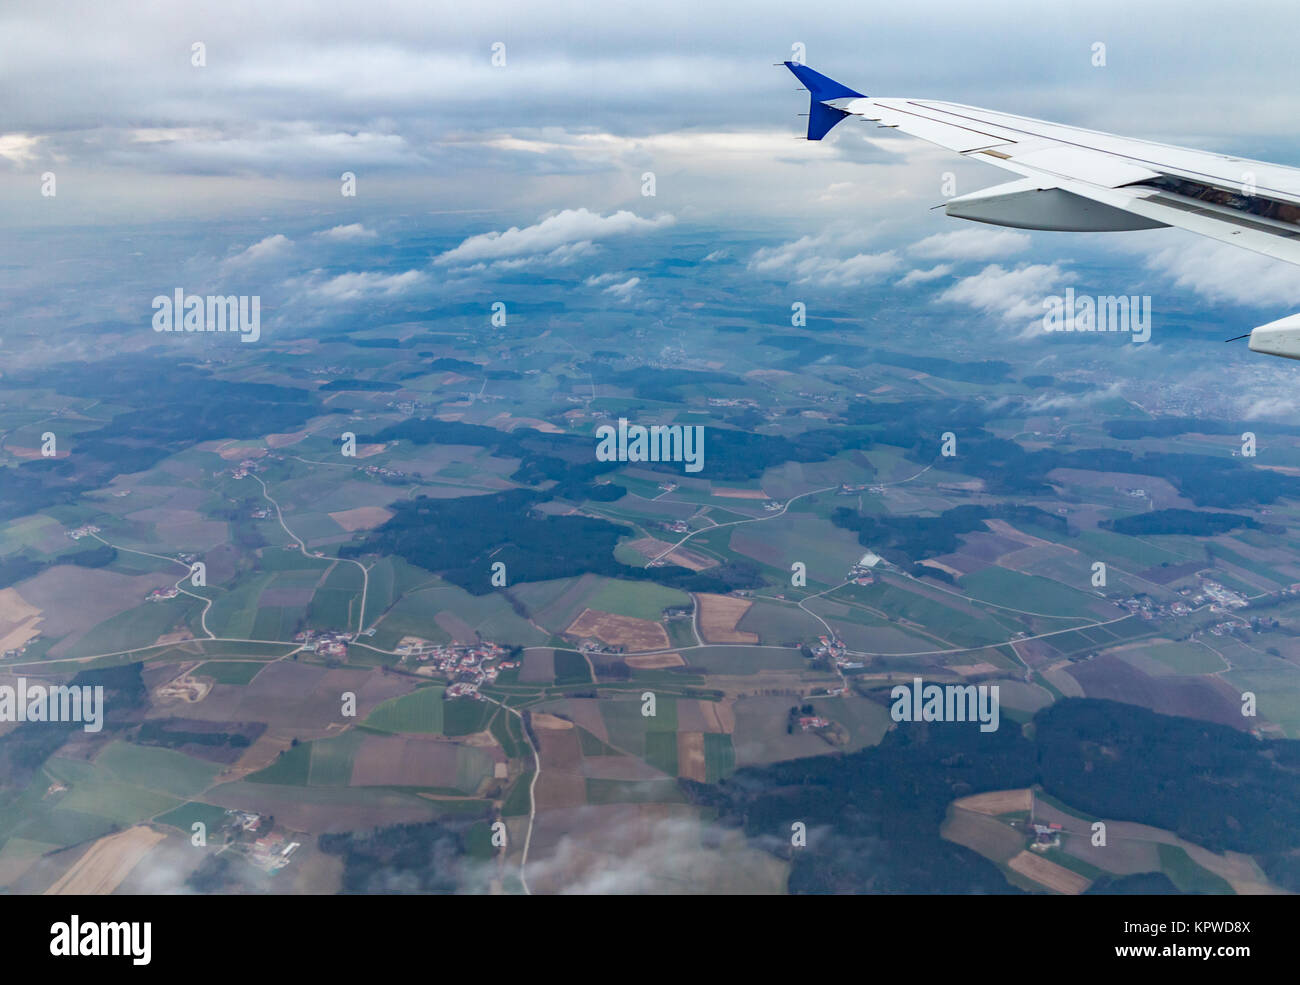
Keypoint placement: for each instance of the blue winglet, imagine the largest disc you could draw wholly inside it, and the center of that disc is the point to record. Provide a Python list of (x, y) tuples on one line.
[(820, 116)]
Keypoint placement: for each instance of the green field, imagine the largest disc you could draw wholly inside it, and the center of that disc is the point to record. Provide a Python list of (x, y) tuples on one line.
[(98, 792), (571, 668), (291, 768), (628, 727), (183, 817), (1027, 592), (1189, 877), (231, 671), (638, 599), (163, 770), (1187, 658), (464, 716), (661, 751), (519, 801), (421, 711), (719, 757), (331, 759)]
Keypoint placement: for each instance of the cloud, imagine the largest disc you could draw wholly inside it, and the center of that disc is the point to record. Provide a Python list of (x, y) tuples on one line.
[(264, 249), (971, 244), (924, 276), (1046, 403), (1010, 294), (557, 257), (1221, 272), (567, 229), (346, 234), (623, 291), (814, 260), (18, 148), (1270, 407), (666, 855), (359, 284)]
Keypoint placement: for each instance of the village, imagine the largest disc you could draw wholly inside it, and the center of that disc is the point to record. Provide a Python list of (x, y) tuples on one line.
[(467, 665), (1218, 597)]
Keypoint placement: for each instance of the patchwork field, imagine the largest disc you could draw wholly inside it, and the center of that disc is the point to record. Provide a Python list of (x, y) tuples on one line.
[(625, 631), (718, 616), (109, 861)]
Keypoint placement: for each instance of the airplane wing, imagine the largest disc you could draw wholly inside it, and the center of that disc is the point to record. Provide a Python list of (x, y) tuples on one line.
[(1084, 180)]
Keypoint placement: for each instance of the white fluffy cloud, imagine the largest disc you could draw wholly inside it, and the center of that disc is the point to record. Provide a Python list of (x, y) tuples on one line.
[(362, 283), (623, 290), (925, 276), (971, 244), (1010, 294), (1220, 272), (1056, 402), (264, 249), (346, 234), (563, 230), (820, 260)]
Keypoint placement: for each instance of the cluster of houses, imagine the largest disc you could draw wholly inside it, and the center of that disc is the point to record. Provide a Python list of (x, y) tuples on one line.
[(1222, 596), (1219, 597), (159, 594), (248, 821), (1045, 836), (1225, 628), (807, 722), (406, 406), (470, 665), (772, 506), (270, 850), (677, 527), (85, 530), (667, 487), (830, 647), (18, 651), (381, 472), (861, 573), (590, 645), (243, 468), (817, 398), (1143, 606), (329, 643)]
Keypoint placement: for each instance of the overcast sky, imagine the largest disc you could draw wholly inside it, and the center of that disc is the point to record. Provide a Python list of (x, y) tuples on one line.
[(227, 175), (406, 96)]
